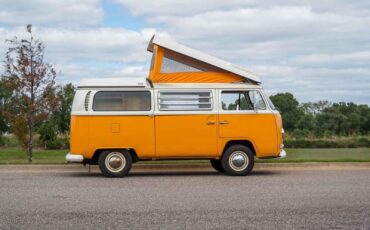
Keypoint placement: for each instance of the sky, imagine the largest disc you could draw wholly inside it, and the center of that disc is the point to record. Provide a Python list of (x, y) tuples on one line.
[(317, 50)]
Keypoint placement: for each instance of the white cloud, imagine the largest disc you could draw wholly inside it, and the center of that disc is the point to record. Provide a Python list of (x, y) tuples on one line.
[(95, 44), (314, 49), (94, 52), (132, 71), (75, 73), (151, 8), (50, 12)]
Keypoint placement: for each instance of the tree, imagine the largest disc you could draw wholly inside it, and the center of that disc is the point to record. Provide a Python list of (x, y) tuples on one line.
[(343, 119), (5, 94), (62, 114), (315, 108), (364, 112), (289, 109), (32, 83)]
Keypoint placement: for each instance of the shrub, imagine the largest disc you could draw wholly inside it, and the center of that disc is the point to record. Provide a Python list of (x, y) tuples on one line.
[(3, 140), (352, 142), (64, 140), (61, 142), (47, 131), (363, 142), (53, 144)]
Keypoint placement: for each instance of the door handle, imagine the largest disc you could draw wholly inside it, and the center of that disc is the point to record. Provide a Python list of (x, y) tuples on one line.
[(224, 122), (211, 122)]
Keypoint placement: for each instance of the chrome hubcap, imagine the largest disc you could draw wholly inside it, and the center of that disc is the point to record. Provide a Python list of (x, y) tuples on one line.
[(115, 161), (238, 161)]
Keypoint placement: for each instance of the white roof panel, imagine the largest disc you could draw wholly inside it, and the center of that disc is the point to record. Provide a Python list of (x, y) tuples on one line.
[(114, 82), (198, 55)]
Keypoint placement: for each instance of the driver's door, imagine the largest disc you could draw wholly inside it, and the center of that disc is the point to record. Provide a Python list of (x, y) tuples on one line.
[(243, 115)]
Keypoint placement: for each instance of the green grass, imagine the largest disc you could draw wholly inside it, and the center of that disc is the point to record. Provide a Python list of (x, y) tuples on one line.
[(325, 155), (40, 156)]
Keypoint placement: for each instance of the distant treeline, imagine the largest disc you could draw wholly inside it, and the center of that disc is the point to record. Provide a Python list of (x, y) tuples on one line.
[(322, 119), (306, 125)]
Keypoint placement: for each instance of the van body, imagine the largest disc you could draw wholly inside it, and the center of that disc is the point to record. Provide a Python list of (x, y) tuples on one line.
[(192, 106), (173, 121)]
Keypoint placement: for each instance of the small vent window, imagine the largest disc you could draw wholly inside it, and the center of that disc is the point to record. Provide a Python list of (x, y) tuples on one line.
[(185, 100), (87, 98)]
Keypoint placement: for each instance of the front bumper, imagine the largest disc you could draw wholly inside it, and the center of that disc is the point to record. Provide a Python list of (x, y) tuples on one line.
[(282, 154), (74, 158)]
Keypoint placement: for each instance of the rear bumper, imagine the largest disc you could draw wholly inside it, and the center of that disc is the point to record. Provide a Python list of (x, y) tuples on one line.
[(74, 158), (282, 154)]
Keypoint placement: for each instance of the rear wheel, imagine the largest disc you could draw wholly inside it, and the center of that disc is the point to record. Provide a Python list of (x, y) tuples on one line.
[(238, 160), (216, 164), (115, 163)]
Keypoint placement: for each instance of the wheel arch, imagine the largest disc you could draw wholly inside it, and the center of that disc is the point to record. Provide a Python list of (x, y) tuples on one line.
[(95, 158), (246, 143)]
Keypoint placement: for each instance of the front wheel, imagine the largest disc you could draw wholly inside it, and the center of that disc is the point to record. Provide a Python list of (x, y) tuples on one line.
[(115, 163), (238, 160)]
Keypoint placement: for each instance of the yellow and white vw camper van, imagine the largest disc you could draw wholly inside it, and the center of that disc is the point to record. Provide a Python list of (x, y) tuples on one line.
[(192, 106)]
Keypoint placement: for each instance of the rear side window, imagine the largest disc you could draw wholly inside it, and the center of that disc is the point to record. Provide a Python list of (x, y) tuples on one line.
[(185, 100), (122, 101)]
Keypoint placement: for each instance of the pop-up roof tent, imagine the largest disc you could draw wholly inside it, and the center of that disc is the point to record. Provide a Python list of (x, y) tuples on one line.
[(176, 63)]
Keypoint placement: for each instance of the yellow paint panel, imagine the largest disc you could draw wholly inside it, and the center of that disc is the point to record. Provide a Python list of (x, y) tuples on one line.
[(107, 132), (122, 132), (79, 134), (176, 136), (260, 129), (279, 128), (186, 135)]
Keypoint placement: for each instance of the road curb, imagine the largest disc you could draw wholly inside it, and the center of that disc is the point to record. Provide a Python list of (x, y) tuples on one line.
[(186, 167)]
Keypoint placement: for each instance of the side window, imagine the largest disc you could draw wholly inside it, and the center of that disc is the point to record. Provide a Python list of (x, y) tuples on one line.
[(257, 100), (242, 100), (185, 100), (175, 62), (122, 101), (235, 100)]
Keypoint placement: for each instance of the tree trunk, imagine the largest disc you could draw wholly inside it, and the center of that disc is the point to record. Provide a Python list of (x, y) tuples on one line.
[(30, 142)]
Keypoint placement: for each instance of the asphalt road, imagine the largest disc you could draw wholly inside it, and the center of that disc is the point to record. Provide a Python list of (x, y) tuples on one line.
[(267, 199)]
